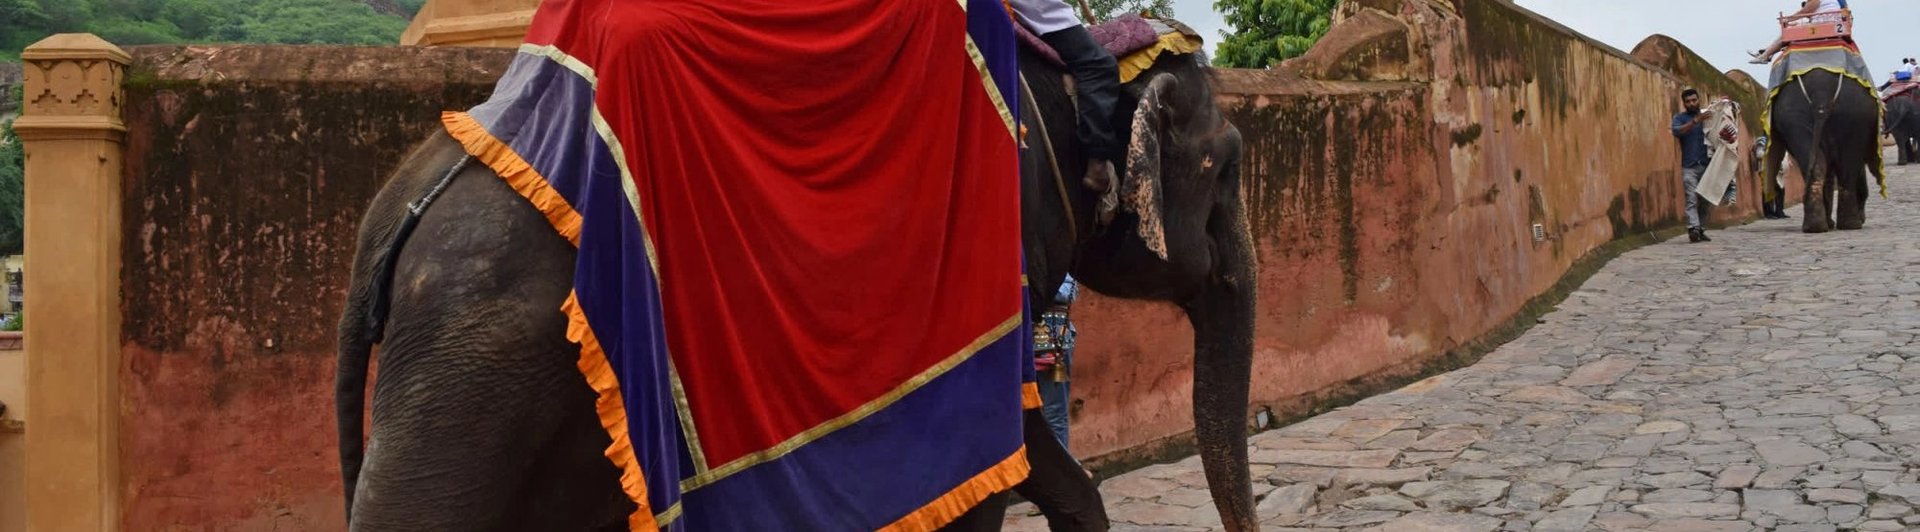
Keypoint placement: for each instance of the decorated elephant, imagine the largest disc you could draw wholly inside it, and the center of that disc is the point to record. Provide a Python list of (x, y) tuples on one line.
[(1828, 123), (481, 421), (1902, 121)]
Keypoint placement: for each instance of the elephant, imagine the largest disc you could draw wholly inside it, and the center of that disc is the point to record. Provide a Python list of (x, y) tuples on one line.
[(1903, 122), (1828, 123), (480, 420)]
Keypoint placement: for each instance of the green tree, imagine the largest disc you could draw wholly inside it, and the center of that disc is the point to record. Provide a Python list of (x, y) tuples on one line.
[(26, 21), (130, 32), (1266, 32), (13, 191), (201, 19), (318, 22), (131, 22), (1108, 9)]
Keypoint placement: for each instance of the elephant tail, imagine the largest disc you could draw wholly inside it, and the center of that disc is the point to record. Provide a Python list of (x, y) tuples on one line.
[(362, 325), (350, 390)]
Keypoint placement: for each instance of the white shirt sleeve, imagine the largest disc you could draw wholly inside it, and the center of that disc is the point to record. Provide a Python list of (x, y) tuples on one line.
[(1044, 16)]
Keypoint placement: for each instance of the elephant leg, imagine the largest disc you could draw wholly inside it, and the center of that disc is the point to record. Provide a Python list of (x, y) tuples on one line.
[(984, 517), (1819, 196), (1853, 198), (1056, 483)]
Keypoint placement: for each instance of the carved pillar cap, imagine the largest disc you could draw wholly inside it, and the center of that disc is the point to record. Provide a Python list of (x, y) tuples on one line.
[(74, 46), (72, 89)]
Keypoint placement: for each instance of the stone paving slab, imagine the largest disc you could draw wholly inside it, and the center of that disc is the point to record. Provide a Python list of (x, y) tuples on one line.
[(1768, 380)]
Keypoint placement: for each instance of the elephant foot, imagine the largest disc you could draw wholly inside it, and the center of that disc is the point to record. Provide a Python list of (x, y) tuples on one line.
[(1813, 224), (1850, 225)]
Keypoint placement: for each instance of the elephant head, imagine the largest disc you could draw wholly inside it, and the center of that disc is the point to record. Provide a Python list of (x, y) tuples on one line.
[(1181, 235), (1195, 164), (1896, 113)]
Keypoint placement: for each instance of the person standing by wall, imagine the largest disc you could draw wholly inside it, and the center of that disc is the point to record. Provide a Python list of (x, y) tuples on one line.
[(1053, 357), (1688, 128)]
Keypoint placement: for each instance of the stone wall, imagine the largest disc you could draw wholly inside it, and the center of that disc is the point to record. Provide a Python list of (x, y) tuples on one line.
[(13, 442), (247, 171), (1395, 174)]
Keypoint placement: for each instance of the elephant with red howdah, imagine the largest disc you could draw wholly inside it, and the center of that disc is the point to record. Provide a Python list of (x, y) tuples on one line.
[(529, 450)]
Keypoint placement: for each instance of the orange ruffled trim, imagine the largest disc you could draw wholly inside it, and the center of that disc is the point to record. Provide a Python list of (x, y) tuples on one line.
[(944, 510), (593, 361), (515, 171), (1030, 396), (613, 412)]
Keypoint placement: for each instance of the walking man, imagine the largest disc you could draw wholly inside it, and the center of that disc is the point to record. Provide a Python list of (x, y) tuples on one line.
[(1688, 128)]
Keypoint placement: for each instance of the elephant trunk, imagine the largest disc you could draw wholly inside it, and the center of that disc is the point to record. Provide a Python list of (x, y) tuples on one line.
[(350, 388), (1223, 317)]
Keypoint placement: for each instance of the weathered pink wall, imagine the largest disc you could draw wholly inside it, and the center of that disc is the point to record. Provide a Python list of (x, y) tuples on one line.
[(1393, 175), (247, 171)]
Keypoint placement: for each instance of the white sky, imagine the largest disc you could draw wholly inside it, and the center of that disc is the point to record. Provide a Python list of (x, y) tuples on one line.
[(1716, 29)]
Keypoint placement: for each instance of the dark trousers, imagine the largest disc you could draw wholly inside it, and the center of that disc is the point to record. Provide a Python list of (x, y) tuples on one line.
[(1777, 207), (1096, 78)]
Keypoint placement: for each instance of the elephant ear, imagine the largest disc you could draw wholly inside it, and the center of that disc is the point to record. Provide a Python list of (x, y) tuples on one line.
[(1142, 191)]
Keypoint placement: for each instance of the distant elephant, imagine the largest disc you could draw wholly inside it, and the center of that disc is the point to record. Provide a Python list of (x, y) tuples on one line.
[(1903, 122), (482, 422), (1828, 123)]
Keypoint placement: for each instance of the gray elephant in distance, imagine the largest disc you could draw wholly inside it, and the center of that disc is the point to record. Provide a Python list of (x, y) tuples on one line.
[(1902, 121)]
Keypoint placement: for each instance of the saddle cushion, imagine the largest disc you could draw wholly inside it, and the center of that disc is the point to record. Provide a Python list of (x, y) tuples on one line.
[(1899, 89), (1135, 41)]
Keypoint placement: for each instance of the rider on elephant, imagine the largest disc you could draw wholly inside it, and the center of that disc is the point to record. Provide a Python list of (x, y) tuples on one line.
[(1808, 8), (1096, 75)]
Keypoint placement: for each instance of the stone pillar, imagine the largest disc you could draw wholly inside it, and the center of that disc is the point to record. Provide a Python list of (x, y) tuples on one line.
[(70, 127), (486, 23)]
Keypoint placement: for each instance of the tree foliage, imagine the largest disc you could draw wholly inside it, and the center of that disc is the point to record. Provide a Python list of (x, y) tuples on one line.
[(1108, 9), (1266, 32), (13, 185), (132, 22)]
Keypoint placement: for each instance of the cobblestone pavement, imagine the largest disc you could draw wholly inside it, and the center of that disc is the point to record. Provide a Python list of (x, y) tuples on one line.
[(1768, 380)]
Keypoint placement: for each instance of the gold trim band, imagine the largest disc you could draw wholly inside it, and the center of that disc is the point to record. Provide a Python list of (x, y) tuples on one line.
[(822, 430)]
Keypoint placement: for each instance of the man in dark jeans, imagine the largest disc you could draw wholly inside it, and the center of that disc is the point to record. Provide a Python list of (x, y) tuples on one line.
[(1775, 209), (1687, 128)]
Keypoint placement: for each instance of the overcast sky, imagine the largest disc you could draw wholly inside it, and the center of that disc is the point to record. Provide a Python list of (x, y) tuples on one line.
[(1716, 29)]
